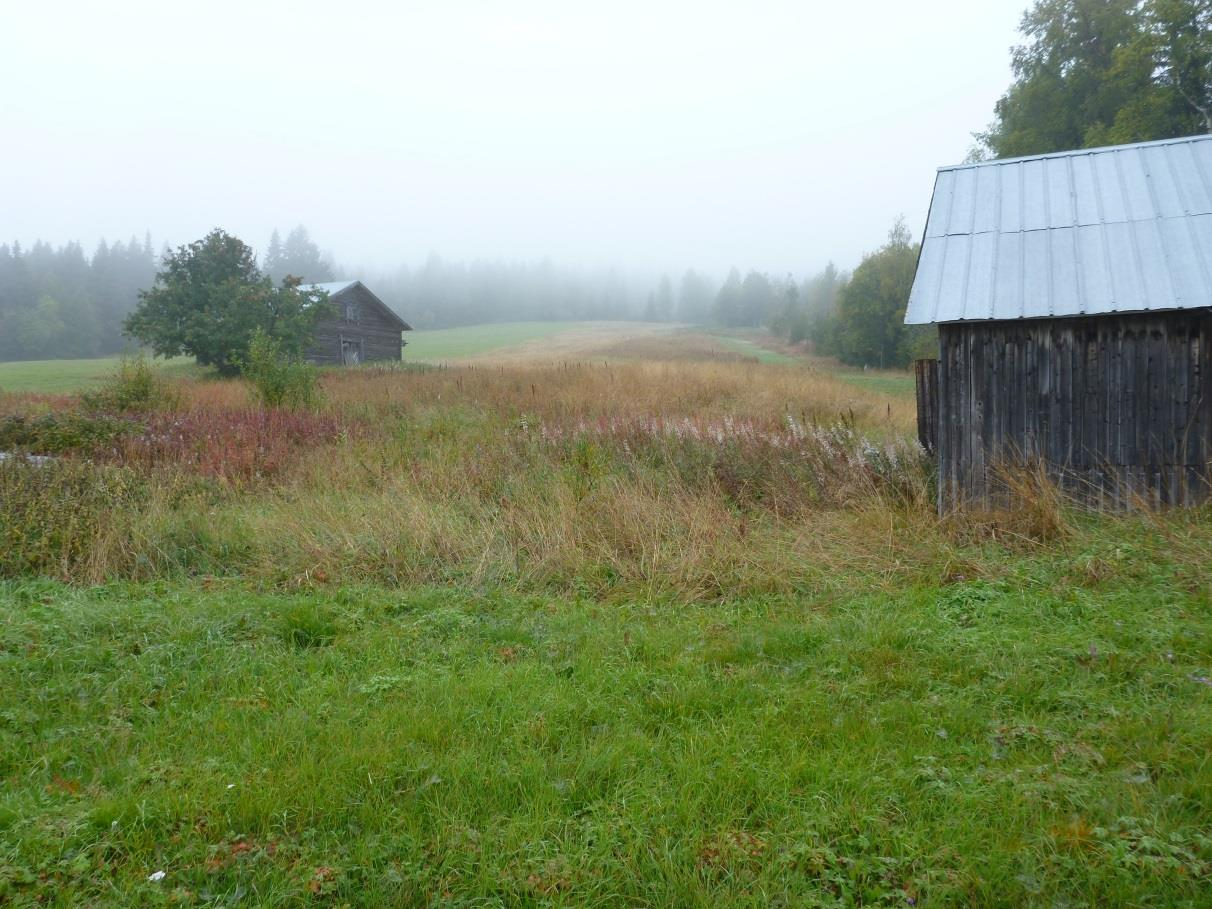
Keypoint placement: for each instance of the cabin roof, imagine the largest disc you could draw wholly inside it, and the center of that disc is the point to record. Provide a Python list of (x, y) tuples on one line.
[(1127, 228), (333, 288)]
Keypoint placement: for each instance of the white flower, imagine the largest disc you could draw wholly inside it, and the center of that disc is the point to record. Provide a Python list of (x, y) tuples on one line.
[(156, 876)]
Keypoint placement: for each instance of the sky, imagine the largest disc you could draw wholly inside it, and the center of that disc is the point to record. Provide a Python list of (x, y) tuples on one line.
[(645, 135)]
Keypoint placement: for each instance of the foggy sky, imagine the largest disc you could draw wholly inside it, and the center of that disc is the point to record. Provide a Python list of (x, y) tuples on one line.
[(772, 135)]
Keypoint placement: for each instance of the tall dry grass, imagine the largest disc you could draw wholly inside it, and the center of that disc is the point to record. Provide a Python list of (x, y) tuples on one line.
[(685, 478)]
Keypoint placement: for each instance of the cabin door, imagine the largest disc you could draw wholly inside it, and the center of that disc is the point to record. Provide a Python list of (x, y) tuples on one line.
[(351, 351)]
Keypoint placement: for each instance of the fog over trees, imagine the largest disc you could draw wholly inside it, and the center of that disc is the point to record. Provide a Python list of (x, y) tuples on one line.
[(1087, 72), (60, 302)]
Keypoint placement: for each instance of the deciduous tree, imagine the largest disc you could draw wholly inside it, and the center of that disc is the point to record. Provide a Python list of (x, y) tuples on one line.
[(210, 297), (1103, 72)]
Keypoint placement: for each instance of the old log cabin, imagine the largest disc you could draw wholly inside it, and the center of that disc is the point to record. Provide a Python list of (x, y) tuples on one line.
[(1073, 298), (363, 328)]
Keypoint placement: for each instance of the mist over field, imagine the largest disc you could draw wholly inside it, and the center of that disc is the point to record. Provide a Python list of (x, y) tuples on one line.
[(643, 137)]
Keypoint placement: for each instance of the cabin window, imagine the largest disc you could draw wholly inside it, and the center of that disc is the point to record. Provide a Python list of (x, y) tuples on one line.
[(353, 312)]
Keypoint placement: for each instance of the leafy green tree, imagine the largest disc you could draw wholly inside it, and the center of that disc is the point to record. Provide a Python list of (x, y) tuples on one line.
[(210, 297), (871, 306), (1100, 72), (1180, 40)]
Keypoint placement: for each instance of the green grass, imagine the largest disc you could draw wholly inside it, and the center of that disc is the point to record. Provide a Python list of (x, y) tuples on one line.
[(454, 343), (897, 383), (1037, 738), (751, 346), (67, 376), (888, 382)]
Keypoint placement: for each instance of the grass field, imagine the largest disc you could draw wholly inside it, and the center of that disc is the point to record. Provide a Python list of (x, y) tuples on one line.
[(750, 346), (1034, 738), (448, 344), (658, 624), (66, 376)]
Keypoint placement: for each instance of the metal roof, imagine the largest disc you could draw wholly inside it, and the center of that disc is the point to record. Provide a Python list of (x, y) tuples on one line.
[(1121, 229), (331, 287)]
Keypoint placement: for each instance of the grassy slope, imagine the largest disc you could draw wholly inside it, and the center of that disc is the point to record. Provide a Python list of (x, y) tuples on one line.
[(62, 376), (1036, 739)]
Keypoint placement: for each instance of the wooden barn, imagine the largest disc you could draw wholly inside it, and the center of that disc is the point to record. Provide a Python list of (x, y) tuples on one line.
[(364, 330), (1073, 298)]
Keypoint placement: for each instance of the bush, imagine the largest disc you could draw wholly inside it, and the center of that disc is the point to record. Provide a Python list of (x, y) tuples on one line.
[(135, 388), (53, 513), (278, 380), (62, 433)]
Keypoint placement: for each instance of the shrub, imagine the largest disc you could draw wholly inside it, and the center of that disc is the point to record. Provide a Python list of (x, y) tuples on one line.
[(277, 379), (53, 513), (136, 387), (62, 433)]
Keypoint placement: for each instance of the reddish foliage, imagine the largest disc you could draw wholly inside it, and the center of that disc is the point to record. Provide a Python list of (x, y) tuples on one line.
[(28, 402), (234, 445)]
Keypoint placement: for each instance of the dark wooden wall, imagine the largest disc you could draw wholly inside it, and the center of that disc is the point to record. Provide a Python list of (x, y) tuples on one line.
[(380, 335), (926, 372), (1116, 407)]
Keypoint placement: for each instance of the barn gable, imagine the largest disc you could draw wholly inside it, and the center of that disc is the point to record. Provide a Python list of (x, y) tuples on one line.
[(363, 330)]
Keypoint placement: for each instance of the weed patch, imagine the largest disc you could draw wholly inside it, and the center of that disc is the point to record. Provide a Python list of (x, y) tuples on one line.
[(55, 517)]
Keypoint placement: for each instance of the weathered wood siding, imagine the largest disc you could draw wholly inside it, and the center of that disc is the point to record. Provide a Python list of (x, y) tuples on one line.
[(926, 372), (380, 336), (1116, 407)]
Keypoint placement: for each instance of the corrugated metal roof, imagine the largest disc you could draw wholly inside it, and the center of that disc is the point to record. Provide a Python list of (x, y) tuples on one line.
[(1119, 229)]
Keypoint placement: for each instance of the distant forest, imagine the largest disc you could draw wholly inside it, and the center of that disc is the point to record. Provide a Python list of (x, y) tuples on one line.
[(59, 302)]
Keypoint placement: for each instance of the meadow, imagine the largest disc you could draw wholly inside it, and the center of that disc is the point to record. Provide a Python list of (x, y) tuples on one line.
[(444, 345), (634, 620), (65, 376)]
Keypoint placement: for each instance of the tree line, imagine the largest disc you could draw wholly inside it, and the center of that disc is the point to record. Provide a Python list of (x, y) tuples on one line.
[(58, 302), (1088, 72)]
